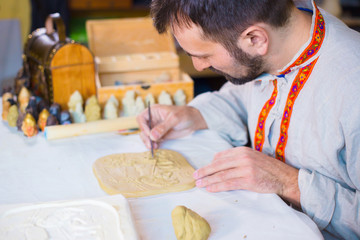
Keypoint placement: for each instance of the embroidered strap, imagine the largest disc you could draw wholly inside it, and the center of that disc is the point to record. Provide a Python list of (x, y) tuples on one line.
[(295, 89), (301, 78), (260, 129), (314, 46)]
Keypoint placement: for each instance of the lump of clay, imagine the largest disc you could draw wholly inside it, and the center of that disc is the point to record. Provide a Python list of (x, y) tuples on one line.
[(149, 100), (164, 98), (189, 225), (13, 115), (92, 109), (6, 104), (43, 116), (23, 98), (128, 103), (28, 126), (179, 98), (111, 108)]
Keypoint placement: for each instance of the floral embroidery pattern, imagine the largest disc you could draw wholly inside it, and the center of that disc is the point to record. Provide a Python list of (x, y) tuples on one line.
[(260, 130), (314, 46), (301, 78), (295, 89)]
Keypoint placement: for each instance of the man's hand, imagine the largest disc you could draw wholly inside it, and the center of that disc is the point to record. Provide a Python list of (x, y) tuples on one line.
[(169, 122), (245, 168)]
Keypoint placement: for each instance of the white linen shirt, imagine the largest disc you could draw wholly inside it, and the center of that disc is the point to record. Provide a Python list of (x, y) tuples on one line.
[(324, 131)]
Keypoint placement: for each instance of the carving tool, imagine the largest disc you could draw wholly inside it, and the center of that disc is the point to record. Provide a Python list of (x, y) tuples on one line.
[(149, 122)]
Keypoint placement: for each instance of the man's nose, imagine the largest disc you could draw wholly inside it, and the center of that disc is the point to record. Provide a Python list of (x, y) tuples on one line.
[(200, 64)]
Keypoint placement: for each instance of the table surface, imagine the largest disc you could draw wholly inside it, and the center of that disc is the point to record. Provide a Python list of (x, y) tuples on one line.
[(35, 170)]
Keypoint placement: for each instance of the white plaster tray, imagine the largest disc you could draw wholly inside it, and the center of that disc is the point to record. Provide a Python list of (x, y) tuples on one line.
[(115, 205)]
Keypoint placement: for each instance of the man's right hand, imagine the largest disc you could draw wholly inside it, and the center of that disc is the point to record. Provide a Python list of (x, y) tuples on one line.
[(169, 122)]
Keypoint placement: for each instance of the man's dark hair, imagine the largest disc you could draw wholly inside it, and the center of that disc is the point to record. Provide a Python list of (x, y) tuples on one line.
[(221, 21)]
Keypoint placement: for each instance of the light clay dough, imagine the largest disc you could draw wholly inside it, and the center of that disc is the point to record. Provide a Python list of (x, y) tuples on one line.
[(139, 174)]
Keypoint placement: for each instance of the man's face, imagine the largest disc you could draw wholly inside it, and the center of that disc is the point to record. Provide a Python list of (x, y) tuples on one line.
[(237, 67)]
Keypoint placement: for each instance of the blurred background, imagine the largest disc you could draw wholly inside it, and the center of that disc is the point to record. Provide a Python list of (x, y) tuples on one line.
[(18, 18)]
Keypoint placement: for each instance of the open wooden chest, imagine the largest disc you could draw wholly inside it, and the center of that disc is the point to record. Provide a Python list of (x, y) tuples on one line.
[(131, 55)]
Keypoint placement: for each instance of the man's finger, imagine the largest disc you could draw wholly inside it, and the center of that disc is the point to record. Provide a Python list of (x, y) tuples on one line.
[(218, 177), (216, 166)]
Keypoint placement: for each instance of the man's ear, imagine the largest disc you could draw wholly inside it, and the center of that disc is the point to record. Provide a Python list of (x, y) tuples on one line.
[(254, 40)]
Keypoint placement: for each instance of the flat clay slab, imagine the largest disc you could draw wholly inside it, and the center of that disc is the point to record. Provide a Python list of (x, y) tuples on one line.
[(139, 174)]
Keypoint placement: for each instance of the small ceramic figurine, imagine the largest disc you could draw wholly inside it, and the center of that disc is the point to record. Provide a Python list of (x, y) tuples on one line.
[(75, 98), (76, 110), (20, 120), (29, 126), (6, 104), (55, 110), (128, 103), (139, 105), (111, 108), (149, 99), (65, 118), (51, 120), (13, 115), (41, 104), (92, 109), (78, 115), (23, 98), (43, 116), (32, 108), (179, 98), (165, 98)]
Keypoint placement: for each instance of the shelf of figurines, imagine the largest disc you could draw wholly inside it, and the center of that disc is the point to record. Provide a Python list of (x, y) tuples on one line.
[(30, 114)]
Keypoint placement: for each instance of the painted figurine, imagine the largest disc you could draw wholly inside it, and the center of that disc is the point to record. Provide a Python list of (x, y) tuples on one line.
[(149, 99), (23, 99), (65, 118), (55, 110), (92, 109), (111, 108), (139, 105), (28, 126), (32, 108), (13, 115), (165, 98), (180, 98), (43, 116), (128, 103), (6, 105), (75, 98), (52, 120)]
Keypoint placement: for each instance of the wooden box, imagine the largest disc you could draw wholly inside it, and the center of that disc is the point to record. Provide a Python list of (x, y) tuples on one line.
[(131, 55), (57, 65)]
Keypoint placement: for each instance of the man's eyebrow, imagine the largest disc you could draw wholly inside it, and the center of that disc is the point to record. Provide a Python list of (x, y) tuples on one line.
[(195, 55)]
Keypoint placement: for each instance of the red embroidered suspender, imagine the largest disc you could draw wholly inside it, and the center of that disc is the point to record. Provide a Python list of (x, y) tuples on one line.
[(260, 129), (295, 89), (300, 80)]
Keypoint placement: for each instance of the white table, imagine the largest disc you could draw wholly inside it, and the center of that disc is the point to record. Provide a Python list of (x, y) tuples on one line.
[(34, 170)]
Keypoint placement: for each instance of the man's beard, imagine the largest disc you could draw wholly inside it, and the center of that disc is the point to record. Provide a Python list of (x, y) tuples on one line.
[(254, 65)]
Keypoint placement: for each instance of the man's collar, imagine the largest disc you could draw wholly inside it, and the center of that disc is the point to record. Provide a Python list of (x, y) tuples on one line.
[(311, 48)]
